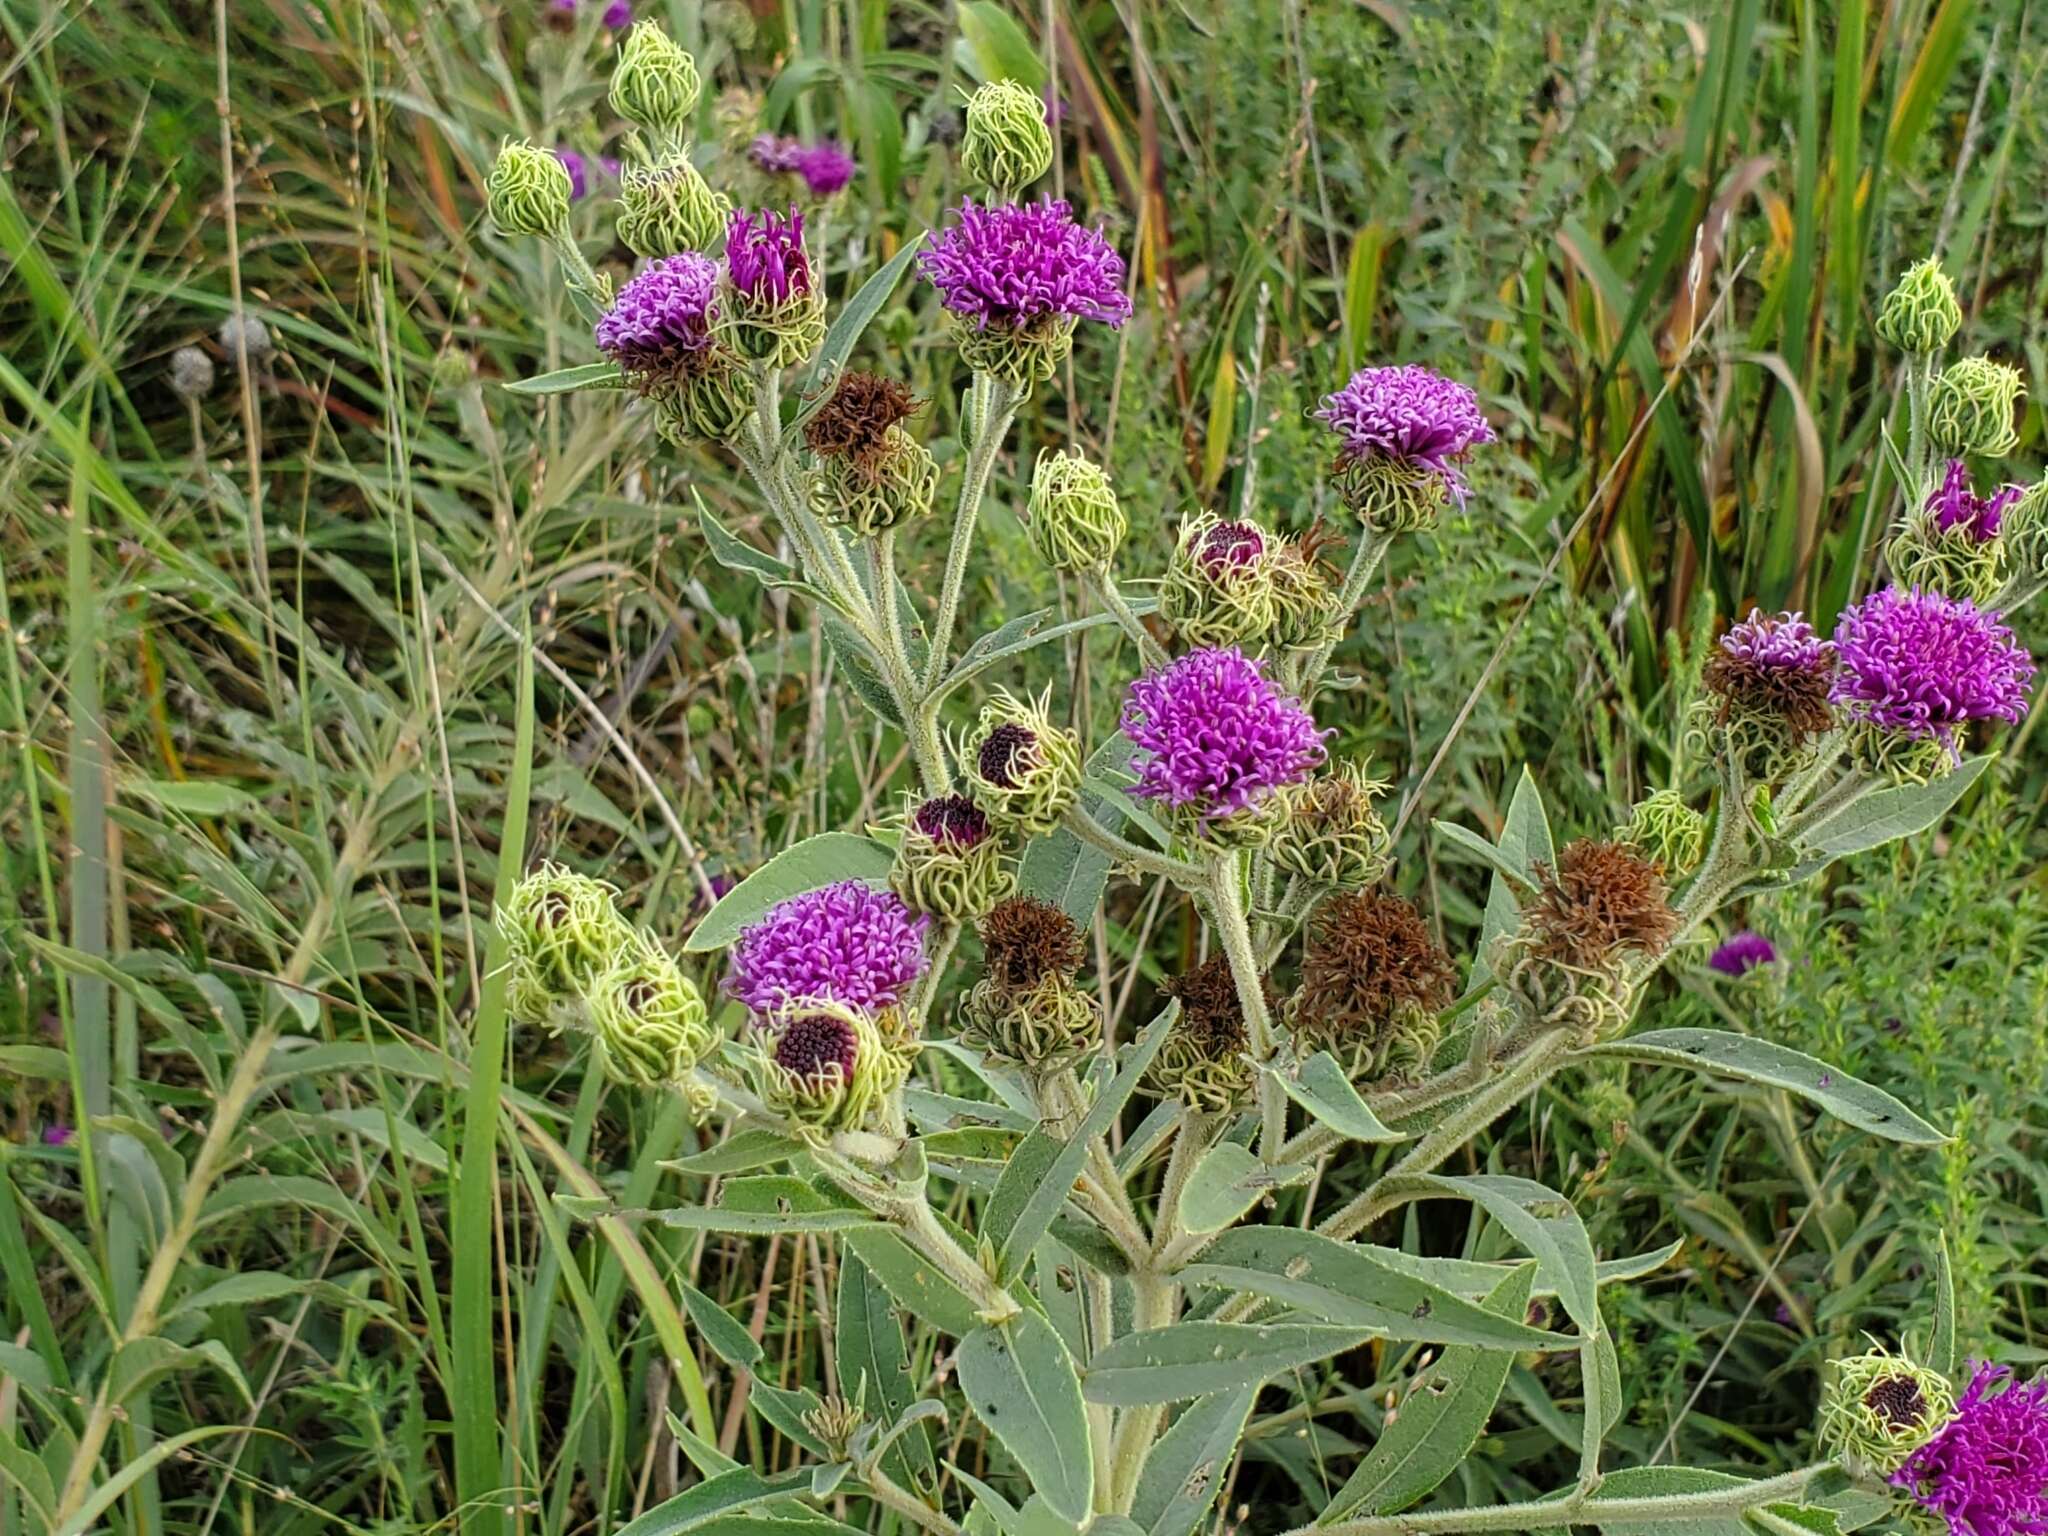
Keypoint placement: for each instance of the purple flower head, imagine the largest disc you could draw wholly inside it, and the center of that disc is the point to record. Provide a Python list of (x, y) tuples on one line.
[(612, 166), (1780, 642), (954, 821), (1986, 1470), (1742, 954), (1214, 734), (619, 15), (1957, 505), (765, 257), (846, 943), (579, 173), (817, 1046), (664, 312), (1231, 546), (562, 7), (1409, 414), (1008, 264), (57, 1135), (1055, 105), (826, 167), (774, 154), (1926, 664)]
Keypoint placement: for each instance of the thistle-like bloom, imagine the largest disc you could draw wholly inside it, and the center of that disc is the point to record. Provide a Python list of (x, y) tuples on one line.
[(818, 1045), (1921, 314), (1743, 953), (1986, 1470), (1601, 899), (1407, 416), (661, 320), (1773, 669), (765, 258), (1956, 504), (949, 861), (1926, 665), (952, 821), (774, 153), (1026, 771), (1026, 939), (1215, 737), (1373, 980), (1011, 265), (1877, 1409), (618, 15), (846, 943), (826, 167)]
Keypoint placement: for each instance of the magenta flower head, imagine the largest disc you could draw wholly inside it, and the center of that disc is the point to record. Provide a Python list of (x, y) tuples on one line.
[(579, 173), (1404, 424), (1925, 665), (846, 943), (774, 154), (765, 258), (1742, 954), (826, 167), (1016, 278), (1956, 504), (1986, 1470), (1215, 739), (1231, 546), (618, 15), (662, 318)]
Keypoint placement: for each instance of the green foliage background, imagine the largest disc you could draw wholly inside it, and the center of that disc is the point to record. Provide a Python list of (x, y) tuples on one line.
[(267, 728)]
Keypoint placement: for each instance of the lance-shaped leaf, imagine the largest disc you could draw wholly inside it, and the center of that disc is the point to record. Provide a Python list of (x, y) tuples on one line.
[(1341, 1283), (1185, 1470), (1322, 1087), (1020, 1381), (1442, 1415), (1539, 1218), (816, 861), (1777, 1066), (1886, 815), (565, 381), (1524, 843), (1193, 1359), (1227, 1181), (1038, 1179), (874, 1367)]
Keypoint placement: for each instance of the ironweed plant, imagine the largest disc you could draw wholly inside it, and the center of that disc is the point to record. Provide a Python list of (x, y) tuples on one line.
[(1115, 1303)]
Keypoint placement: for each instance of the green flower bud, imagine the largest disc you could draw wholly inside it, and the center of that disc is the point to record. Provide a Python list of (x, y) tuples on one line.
[(1332, 837), (1020, 356), (670, 207), (1878, 1409), (834, 1423), (528, 191), (1970, 408), (1025, 771), (1666, 831), (1305, 615), (826, 1066), (873, 493), (1951, 561), (1007, 145), (1921, 314), (655, 84), (562, 930), (2024, 533), (1051, 1024), (1218, 588), (1205, 1060), (949, 861), (711, 403), (650, 1023), (1900, 756), (1390, 495), (1074, 520)]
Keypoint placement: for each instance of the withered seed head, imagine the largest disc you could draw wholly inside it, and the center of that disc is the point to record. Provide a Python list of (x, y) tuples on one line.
[(1367, 954), (1602, 898), (1795, 696), (1211, 1014), (854, 422), (1026, 939)]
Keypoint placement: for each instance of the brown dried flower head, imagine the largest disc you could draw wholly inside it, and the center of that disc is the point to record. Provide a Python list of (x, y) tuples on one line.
[(1368, 954), (1797, 697), (854, 423), (1211, 1013), (1602, 898), (1026, 939)]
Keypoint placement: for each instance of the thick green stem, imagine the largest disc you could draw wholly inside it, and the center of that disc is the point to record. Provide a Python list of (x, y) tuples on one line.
[(1183, 874), (918, 726), (1582, 1507), (993, 405), (1365, 559), (1234, 932)]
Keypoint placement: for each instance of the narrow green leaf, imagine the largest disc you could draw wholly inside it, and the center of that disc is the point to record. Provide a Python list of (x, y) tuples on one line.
[(1442, 1415), (1539, 1218), (816, 861), (1886, 815), (1323, 1088), (741, 1152), (1342, 1284), (1185, 1470), (565, 381), (1941, 1348), (1020, 1381), (874, 1368), (1750, 1060), (1524, 842), (918, 1288), (1194, 1359)]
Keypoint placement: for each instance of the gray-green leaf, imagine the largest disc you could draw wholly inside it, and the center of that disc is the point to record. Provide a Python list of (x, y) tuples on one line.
[(1193, 1359), (816, 861), (1020, 1381)]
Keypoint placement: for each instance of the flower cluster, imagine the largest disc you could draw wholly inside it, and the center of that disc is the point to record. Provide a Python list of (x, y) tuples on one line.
[(1925, 665), (1404, 429), (1986, 1470), (845, 943), (950, 862), (1216, 737), (1601, 899), (662, 318), (1204, 1058)]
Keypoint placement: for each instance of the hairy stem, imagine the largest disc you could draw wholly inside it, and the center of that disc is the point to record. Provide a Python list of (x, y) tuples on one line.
[(1365, 560), (992, 406), (1183, 874), (1103, 583), (1581, 1507)]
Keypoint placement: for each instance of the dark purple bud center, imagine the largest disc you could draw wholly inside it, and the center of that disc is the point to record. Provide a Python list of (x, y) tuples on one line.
[(953, 820), (1898, 1401), (998, 760), (1231, 546), (816, 1045)]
